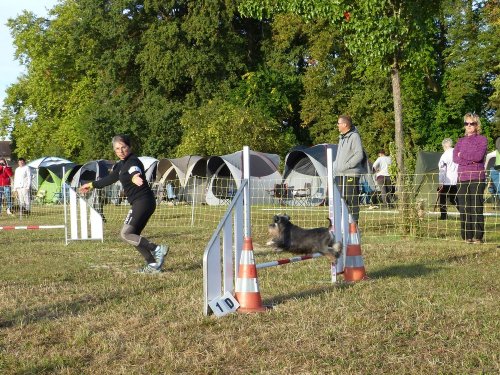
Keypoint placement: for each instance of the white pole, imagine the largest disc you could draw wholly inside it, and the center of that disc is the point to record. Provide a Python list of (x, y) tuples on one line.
[(335, 210), (330, 184), (246, 176), (63, 189)]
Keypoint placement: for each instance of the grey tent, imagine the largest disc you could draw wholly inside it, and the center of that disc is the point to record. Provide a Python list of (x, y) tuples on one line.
[(182, 178), (427, 176), (91, 171), (305, 174), (226, 172)]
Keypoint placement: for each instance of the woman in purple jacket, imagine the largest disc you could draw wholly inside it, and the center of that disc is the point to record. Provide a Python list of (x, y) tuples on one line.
[(469, 154)]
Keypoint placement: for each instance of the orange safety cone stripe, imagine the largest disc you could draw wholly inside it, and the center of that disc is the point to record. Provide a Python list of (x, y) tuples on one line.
[(353, 228), (355, 274), (353, 250), (247, 272)]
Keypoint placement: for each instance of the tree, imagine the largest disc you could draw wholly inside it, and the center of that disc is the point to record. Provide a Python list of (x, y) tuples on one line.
[(392, 34), (207, 130), (95, 69), (469, 56)]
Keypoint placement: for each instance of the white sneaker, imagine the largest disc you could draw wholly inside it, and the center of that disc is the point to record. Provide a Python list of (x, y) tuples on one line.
[(149, 269), (160, 253)]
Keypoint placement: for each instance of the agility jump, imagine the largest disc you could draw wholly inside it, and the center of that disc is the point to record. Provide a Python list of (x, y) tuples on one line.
[(84, 222), (226, 272)]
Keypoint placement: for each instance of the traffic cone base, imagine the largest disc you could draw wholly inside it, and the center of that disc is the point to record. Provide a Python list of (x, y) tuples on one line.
[(252, 301), (355, 274), (354, 269)]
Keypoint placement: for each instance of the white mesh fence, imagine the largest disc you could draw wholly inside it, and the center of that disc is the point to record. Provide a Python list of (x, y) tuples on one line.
[(412, 209)]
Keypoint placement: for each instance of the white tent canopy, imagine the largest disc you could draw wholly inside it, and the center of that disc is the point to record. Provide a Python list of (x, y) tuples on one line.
[(186, 175), (226, 172), (150, 165)]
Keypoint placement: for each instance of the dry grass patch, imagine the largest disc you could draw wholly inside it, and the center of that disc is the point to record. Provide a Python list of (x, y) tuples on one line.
[(429, 307)]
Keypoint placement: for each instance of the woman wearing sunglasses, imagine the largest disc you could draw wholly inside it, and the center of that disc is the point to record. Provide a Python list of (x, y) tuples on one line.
[(469, 154)]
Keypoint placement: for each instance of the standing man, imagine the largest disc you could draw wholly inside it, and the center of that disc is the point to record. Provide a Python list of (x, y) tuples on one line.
[(22, 184), (5, 175), (349, 164), (383, 178), (448, 175)]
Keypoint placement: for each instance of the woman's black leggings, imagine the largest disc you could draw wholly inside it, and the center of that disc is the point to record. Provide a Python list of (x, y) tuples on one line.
[(136, 220), (470, 205)]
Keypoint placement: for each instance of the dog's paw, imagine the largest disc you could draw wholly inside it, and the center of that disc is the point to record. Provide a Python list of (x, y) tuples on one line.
[(270, 243)]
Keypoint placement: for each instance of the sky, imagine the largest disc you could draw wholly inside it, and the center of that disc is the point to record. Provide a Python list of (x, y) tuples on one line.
[(9, 67)]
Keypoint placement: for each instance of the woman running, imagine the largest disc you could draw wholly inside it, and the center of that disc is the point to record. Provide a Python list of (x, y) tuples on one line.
[(130, 172)]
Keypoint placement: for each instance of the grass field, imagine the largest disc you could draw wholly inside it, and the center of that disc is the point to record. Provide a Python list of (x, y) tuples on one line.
[(430, 306)]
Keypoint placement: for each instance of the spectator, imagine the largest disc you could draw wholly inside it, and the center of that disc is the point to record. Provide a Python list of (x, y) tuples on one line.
[(469, 154), (493, 171), (350, 163), (5, 175), (448, 175), (383, 178), (22, 184)]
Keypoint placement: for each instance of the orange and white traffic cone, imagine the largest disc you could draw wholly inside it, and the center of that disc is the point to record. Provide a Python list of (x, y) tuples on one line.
[(354, 269), (247, 286)]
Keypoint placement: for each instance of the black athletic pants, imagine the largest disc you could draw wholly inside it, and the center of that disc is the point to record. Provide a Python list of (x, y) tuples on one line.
[(470, 205), (447, 193), (136, 220)]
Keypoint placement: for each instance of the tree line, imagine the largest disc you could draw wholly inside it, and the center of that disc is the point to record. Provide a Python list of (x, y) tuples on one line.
[(206, 77)]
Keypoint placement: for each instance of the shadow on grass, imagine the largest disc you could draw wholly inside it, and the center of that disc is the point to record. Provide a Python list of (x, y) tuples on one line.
[(22, 317), (282, 298), (404, 271)]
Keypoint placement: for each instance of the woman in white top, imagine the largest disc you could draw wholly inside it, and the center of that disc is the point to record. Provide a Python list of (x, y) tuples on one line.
[(22, 183), (448, 175), (383, 178)]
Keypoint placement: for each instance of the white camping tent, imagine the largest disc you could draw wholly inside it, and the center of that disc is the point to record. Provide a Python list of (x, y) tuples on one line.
[(182, 178), (305, 175), (226, 172), (150, 165)]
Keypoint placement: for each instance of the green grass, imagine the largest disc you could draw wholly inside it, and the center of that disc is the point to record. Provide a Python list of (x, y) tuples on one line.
[(430, 306)]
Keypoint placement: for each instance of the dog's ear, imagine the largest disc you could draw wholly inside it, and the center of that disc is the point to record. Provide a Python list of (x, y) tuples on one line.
[(286, 217)]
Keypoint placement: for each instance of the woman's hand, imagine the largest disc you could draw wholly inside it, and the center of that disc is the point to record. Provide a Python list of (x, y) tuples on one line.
[(85, 188), (137, 179)]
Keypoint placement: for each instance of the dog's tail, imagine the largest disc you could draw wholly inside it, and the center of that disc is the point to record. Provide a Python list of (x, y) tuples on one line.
[(330, 225)]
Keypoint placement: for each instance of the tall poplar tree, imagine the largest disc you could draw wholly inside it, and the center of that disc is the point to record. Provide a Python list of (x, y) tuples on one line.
[(391, 34)]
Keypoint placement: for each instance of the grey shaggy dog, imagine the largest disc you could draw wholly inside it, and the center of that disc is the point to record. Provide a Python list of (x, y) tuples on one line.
[(289, 237)]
